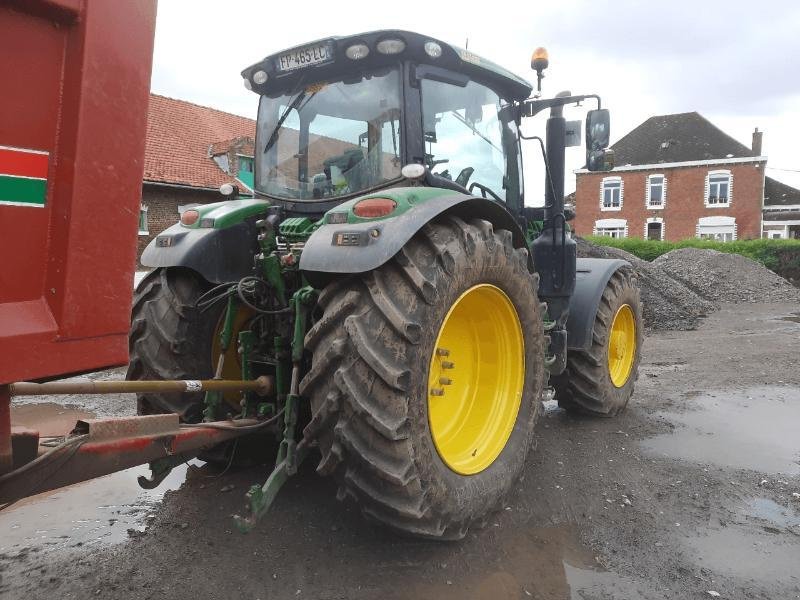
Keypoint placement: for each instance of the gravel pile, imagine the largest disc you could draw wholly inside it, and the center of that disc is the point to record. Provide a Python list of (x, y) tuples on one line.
[(681, 287), (723, 277), (667, 303)]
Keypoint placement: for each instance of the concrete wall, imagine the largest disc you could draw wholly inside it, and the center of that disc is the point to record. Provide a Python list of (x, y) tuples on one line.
[(685, 200)]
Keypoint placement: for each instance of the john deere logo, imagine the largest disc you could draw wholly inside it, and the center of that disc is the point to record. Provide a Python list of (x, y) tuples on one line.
[(23, 176)]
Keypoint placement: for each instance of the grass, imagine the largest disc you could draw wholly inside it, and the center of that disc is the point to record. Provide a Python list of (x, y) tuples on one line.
[(770, 253)]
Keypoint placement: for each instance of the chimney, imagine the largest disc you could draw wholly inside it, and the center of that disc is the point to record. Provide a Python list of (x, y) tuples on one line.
[(757, 135)]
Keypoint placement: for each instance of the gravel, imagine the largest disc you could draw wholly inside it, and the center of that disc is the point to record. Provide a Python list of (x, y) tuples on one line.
[(682, 286), (667, 303), (723, 277)]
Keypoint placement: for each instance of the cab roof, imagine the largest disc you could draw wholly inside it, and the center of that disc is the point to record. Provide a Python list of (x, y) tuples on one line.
[(336, 63)]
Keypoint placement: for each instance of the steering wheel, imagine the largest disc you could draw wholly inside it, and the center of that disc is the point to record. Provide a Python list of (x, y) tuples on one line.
[(484, 190)]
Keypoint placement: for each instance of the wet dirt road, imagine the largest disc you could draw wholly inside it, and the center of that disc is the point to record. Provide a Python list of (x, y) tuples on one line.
[(689, 492)]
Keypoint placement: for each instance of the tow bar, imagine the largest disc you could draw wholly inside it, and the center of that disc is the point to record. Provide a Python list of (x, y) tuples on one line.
[(97, 447)]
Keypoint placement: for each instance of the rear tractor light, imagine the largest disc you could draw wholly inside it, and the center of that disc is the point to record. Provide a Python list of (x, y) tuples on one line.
[(433, 49), (189, 217), (391, 46), (372, 208), (357, 51)]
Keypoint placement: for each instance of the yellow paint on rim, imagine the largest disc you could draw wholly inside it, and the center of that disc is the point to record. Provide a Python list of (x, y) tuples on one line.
[(232, 367), (475, 379), (621, 346)]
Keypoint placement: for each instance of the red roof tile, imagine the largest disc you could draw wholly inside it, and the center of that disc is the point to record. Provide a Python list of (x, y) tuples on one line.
[(179, 135)]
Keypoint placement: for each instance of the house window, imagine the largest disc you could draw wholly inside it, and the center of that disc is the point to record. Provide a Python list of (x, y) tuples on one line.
[(615, 228), (611, 193), (245, 174), (654, 229), (656, 191), (721, 229), (143, 230), (719, 186)]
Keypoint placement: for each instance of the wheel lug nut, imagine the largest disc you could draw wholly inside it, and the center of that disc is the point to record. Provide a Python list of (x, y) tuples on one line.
[(437, 392), (445, 381), (442, 352), (446, 364)]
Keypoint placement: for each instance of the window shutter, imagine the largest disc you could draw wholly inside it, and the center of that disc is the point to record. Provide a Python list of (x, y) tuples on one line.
[(663, 201), (621, 196), (730, 197), (705, 194), (647, 195), (602, 189)]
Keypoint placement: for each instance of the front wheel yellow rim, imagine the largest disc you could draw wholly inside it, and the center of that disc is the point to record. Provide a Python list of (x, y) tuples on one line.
[(621, 346), (475, 379)]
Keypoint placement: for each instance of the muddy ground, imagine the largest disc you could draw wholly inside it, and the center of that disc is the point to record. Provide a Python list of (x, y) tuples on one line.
[(687, 493)]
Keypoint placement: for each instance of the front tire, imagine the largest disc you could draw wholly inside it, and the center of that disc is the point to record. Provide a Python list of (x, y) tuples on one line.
[(600, 381), (375, 356)]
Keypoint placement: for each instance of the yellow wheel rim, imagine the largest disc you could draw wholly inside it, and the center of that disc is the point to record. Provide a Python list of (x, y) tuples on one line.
[(475, 379), (232, 366), (621, 345)]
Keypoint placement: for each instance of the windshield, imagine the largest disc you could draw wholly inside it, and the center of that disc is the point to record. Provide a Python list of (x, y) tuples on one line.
[(330, 139), (466, 141)]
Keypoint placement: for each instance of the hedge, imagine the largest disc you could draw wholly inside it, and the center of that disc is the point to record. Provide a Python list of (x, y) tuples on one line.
[(781, 256)]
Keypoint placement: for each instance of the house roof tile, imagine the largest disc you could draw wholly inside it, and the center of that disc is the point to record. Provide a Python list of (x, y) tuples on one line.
[(779, 194), (179, 135), (676, 138)]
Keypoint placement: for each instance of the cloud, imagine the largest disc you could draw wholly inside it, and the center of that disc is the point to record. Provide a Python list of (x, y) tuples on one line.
[(738, 63)]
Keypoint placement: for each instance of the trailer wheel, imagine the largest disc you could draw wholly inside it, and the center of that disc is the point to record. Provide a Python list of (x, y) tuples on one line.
[(426, 379), (600, 381), (171, 339)]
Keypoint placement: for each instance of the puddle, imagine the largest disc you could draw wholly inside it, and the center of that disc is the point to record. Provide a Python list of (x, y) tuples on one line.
[(746, 554), (778, 517), (538, 563), (95, 512), (753, 429), (48, 418), (793, 318), (99, 511)]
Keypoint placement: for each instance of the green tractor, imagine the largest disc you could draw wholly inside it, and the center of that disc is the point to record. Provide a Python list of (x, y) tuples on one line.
[(412, 313)]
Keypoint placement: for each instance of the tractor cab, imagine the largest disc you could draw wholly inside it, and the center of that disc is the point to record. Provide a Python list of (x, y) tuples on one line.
[(340, 117)]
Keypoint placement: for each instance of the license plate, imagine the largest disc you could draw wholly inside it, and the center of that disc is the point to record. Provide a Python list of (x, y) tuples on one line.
[(304, 57)]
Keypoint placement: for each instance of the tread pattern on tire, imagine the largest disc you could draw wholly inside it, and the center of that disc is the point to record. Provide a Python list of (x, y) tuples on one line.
[(165, 331), (360, 380), (585, 386)]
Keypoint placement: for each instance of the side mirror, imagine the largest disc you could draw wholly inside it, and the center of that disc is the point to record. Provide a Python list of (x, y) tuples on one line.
[(598, 132)]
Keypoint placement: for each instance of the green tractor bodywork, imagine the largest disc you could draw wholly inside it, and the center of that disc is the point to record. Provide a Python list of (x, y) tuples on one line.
[(262, 263)]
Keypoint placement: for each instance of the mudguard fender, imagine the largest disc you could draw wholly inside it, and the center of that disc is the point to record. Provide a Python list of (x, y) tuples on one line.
[(591, 278), (376, 241), (219, 255)]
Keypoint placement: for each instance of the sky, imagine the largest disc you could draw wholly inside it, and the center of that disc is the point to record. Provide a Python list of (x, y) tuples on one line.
[(736, 63)]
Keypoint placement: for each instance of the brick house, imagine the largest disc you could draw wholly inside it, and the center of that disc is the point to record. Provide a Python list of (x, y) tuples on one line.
[(678, 177), (781, 210), (190, 151)]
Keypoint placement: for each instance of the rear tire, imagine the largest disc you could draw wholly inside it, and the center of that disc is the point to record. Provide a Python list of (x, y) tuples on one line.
[(171, 339), (587, 384), (368, 383)]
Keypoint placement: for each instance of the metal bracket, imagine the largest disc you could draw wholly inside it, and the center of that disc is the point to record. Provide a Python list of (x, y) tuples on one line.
[(159, 469), (260, 498)]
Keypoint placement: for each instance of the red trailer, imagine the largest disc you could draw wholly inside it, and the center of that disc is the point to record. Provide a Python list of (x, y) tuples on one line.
[(76, 75), (76, 79)]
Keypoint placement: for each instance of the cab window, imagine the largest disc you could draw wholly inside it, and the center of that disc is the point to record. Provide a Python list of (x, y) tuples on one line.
[(465, 139)]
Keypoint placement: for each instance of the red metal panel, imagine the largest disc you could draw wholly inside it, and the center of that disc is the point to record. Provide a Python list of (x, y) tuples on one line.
[(76, 77)]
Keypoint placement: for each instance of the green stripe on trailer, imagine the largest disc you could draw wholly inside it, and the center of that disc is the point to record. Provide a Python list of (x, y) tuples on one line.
[(22, 191)]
